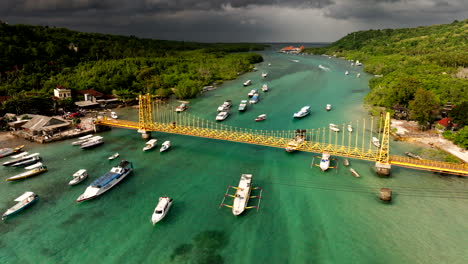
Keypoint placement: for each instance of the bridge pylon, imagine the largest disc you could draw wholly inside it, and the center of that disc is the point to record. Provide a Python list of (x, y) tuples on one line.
[(145, 115), (382, 164)]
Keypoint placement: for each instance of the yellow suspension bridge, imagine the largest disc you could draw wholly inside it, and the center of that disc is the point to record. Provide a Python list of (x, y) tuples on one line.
[(357, 145)]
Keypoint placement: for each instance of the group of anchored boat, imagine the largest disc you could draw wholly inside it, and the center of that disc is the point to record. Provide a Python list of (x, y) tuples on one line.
[(30, 162)]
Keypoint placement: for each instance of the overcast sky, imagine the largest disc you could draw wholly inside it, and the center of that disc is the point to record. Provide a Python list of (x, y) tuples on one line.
[(233, 20)]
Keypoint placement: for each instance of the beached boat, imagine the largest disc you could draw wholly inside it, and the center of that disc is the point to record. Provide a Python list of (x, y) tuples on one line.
[(247, 83), (297, 140), (22, 158), (181, 108), (328, 107), (254, 99), (355, 174), (252, 92), (78, 177), (325, 161), (165, 146), (106, 182), (303, 112), (25, 200), (92, 143), (265, 87), (412, 155), (222, 115), (261, 117), (115, 155), (114, 115), (82, 140), (346, 162), (10, 151), (350, 128), (241, 198), (264, 74), (28, 174), (163, 206), (27, 162), (334, 128), (243, 105), (150, 144), (376, 142)]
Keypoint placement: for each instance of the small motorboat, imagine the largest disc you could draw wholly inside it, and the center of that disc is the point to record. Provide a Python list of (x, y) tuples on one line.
[(334, 128), (114, 115), (165, 146), (269, 64), (355, 174), (150, 144), (412, 155), (261, 117), (347, 72), (181, 108), (252, 92), (93, 142), (161, 209), (328, 107), (25, 200), (22, 154), (243, 105), (254, 99), (247, 83), (222, 115), (225, 106), (264, 74), (265, 88), (28, 174), (78, 177), (82, 140), (12, 162), (9, 151), (303, 112), (350, 128), (358, 75), (35, 165), (376, 142), (115, 155), (346, 162), (27, 162)]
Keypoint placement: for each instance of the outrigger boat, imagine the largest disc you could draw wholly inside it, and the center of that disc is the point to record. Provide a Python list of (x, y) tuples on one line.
[(165, 146), (150, 144), (324, 162), (297, 141), (115, 155), (242, 195), (261, 117), (25, 200), (20, 159), (28, 174), (106, 182), (161, 209), (376, 142), (78, 177), (10, 151)]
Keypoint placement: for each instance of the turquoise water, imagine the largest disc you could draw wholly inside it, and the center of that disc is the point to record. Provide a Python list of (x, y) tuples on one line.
[(306, 216)]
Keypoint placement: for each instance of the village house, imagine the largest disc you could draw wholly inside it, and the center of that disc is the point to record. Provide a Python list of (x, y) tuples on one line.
[(45, 125), (62, 93), (446, 124)]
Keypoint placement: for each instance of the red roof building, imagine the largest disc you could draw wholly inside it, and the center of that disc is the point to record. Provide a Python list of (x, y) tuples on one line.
[(446, 122), (92, 92)]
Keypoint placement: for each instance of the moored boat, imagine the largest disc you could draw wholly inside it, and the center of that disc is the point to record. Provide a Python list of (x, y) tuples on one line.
[(106, 182), (181, 108), (10, 151), (32, 160), (264, 74), (328, 107), (165, 146), (241, 198), (247, 83), (12, 162), (114, 115), (412, 155), (35, 165), (252, 92), (25, 200), (265, 87), (92, 143), (334, 128), (261, 117), (325, 161), (346, 162), (350, 128), (303, 112), (28, 174), (150, 144), (243, 105), (376, 142), (297, 141), (355, 174), (78, 177), (163, 206), (115, 155), (254, 99), (83, 140), (347, 72), (222, 115), (22, 154)]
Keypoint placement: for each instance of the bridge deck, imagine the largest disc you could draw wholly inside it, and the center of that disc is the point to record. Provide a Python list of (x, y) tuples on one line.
[(278, 142)]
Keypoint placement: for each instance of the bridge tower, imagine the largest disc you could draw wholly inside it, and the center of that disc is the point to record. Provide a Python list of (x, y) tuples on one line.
[(382, 164), (145, 114)]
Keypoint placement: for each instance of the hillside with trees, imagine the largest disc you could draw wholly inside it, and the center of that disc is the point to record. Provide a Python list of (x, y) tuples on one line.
[(36, 59)]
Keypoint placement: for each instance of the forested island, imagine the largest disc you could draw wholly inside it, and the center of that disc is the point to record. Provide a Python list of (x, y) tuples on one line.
[(421, 70), (37, 59)]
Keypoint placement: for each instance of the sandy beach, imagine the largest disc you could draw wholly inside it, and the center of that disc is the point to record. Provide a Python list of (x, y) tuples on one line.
[(8, 140)]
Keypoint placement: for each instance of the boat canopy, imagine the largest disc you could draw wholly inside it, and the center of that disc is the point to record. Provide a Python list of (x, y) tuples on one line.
[(24, 196)]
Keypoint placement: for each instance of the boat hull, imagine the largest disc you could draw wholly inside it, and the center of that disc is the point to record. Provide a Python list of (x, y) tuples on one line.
[(106, 188), (26, 175), (6, 215)]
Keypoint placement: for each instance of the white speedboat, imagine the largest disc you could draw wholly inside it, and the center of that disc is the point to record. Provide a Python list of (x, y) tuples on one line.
[(106, 182), (254, 99), (350, 128), (22, 154), (92, 143), (21, 159), (225, 106), (252, 92), (28, 174), (165, 146), (114, 115), (265, 88), (334, 128), (264, 74), (243, 105), (222, 115), (78, 177), (161, 209), (25, 200), (324, 68), (261, 117), (303, 112), (82, 140), (269, 64), (150, 144), (241, 198), (347, 72), (115, 155), (247, 83), (376, 142), (27, 162), (325, 161), (181, 108), (35, 165), (10, 151), (328, 107)]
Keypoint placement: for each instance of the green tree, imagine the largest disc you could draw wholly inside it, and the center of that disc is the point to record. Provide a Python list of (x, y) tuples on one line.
[(461, 138), (422, 107), (459, 114)]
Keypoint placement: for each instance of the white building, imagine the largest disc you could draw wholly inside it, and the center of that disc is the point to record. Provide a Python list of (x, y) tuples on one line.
[(62, 93)]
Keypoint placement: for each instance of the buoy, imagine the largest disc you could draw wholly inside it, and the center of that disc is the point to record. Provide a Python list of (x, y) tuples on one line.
[(385, 194)]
